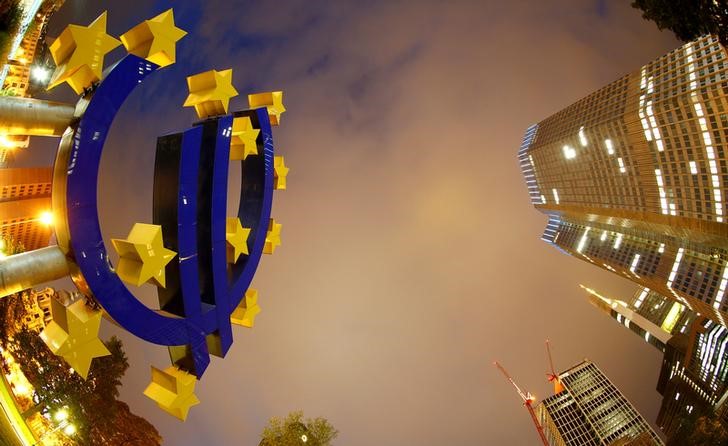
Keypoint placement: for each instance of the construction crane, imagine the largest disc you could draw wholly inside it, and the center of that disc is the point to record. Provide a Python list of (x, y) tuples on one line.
[(553, 377), (528, 400)]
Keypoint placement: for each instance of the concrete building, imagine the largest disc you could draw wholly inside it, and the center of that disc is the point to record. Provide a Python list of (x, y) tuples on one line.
[(633, 177), (20, 64), (592, 411), (25, 203)]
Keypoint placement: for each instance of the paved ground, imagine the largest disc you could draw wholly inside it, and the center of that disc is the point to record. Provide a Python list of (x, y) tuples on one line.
[(7, 434), (13, 430)]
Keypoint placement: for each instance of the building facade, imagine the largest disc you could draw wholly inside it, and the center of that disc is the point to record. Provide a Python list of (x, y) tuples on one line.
[(592, 411), (25, 197), (634, 177), (18, 70), (694, 373)]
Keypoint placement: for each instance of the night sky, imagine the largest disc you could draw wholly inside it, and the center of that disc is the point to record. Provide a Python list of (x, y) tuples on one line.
[(411, 256)]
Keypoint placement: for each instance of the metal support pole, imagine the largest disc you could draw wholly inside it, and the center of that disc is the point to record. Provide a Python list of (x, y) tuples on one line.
[(34, 117), (26, 270)]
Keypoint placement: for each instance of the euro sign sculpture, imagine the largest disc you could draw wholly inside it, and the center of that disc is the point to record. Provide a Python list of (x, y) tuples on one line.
[(201, 260)]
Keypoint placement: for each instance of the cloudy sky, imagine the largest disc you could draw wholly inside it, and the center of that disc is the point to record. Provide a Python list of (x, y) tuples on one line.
[(411, 256)]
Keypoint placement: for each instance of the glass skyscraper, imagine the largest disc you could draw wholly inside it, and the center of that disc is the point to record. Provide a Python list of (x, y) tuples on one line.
[(634, 177)]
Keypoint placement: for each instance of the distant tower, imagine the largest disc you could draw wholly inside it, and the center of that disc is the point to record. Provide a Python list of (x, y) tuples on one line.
[(592, 411), (634, 177)]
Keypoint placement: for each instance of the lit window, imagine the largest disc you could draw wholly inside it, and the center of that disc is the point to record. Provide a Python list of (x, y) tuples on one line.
[(556, 195), (583, 240), (582, 136), (618, 241), (693, 168), (569, 152), (610, 147), (635, 261), (621, 165)]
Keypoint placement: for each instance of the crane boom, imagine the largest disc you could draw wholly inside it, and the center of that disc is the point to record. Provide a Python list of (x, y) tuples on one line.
[(551, 361), (553, 377), (528, 400), (524, 397)]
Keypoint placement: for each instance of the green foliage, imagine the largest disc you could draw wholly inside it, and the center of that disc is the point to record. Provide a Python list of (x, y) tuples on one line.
[(700, 430), (100, 418), (291, 431), (708, 432), (11, 14), (688, 19)]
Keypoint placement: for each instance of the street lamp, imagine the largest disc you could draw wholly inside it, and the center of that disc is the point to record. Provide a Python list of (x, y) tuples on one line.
[(40, 74), (63, 423)]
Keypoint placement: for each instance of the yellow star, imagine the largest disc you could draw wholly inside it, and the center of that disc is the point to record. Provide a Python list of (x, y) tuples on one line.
[(79, 54), (244, 314), (273, 101), (237, 239), (142, 256), (273, 237), (154, 39), (210, 92), (280, 172), (73, 334), (244, 136), (173, 390)]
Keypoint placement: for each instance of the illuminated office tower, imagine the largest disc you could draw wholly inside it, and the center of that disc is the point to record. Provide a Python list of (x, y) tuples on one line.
[(25, 203), (592, 411), (693, 378), (651, 316), (633, 177), (694, 374)]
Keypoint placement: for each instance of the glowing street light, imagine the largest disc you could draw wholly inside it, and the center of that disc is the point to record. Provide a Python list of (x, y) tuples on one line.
[(61, 415), (69, 430), (46, 218), (40, 74)]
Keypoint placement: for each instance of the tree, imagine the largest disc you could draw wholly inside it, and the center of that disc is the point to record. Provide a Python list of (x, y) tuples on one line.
[(700, 430), (293, 431), (688, 19), (709, 431), (101, 419)]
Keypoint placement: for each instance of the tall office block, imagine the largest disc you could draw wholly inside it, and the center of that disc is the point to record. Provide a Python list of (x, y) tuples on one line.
[(634, 177), (694, 374), (650, 315), (592, 411), (25, 195)]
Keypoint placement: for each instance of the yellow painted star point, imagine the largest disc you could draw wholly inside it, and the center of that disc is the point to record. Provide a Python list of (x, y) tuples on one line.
[(79, 54), (280, 172), (244, 139), (73, 334), (173, 390), (142, 255), (237, 239), (155, 39), (272, 237), (210, 92), (244, 314), (273, 101)]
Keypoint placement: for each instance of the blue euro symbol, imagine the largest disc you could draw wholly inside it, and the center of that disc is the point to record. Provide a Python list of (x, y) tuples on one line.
[(190, 201)]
